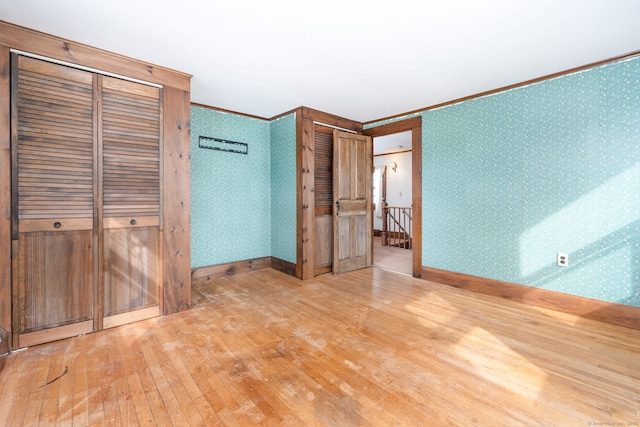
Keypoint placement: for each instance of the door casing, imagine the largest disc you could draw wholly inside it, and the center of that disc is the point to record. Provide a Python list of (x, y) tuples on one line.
[(415, 126)]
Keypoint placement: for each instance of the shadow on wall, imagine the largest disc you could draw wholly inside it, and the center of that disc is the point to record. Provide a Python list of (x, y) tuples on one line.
[(599, 230), (586, 265)]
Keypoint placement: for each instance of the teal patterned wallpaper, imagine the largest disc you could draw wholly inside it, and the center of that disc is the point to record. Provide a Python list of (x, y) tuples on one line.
[(511, 179), (230, 193), (283, 188)]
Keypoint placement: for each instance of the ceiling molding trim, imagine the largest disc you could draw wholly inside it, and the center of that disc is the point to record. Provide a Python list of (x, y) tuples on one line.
[(222, 110), (510, 87)]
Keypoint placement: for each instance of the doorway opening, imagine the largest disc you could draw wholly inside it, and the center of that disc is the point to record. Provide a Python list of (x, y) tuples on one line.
[(408, 237), (393, 204)]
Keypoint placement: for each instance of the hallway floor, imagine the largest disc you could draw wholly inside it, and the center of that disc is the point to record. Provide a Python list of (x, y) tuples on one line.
[(391, 258)]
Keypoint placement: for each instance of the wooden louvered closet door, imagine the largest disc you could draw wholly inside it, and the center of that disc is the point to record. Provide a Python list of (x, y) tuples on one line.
[(53, 200), (86, 202), (131, 193)]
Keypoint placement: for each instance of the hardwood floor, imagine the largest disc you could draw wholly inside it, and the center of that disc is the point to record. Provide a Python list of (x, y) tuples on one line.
[(368, 347), (392, 258)]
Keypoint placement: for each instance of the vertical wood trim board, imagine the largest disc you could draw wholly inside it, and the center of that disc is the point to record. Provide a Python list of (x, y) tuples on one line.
[(5, 191), (176, 198), (98, 207), (307, 208), (416, 196), (300, 220)]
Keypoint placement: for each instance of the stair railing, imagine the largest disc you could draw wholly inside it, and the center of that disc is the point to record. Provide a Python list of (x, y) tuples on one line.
[(397, 226)]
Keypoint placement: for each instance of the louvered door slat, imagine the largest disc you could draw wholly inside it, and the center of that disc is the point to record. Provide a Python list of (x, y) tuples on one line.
[(323, 175), (37, 105), (131, 149), (55, 150)]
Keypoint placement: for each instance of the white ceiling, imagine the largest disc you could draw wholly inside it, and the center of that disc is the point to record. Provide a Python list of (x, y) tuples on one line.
[(360, 59), (392, 143)]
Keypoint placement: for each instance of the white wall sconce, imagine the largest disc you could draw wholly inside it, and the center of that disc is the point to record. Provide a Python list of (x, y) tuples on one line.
[(394, 166)]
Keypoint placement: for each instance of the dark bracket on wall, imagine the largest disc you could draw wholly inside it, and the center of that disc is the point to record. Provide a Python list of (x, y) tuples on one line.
[(223, 145)]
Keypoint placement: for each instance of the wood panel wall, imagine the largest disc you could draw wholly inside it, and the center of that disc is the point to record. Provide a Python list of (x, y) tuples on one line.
[(177, 269), (176, 200)]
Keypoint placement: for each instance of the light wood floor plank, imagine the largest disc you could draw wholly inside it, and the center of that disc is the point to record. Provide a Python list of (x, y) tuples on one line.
[(36, 384), (109, 399), (128, 416), (78, 373), (13, 406), (182, 385), (149, 348), (130, 361), (66, 392), (94, 392), (366, 348)]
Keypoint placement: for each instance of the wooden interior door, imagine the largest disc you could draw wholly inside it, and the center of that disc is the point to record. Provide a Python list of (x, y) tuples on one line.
[(353, 204), (130, 149), (53, 154)]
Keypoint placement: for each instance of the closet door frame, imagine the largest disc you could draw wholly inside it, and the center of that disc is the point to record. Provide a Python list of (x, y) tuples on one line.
[(176, 159)]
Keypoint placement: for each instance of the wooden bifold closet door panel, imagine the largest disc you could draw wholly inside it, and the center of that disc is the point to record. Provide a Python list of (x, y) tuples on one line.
[(86, 181), (53, 200), (131, 193)]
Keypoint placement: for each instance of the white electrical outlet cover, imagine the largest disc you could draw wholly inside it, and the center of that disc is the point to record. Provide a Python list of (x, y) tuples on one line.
[(563, 260)]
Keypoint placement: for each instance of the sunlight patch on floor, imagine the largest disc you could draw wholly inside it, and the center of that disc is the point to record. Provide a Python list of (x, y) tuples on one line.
[(422, 309), (487, 357)]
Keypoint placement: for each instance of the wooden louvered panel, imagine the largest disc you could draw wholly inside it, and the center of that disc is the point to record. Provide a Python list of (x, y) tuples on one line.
[(323, 175), (323, 191), (131, 149), (55, 142)]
